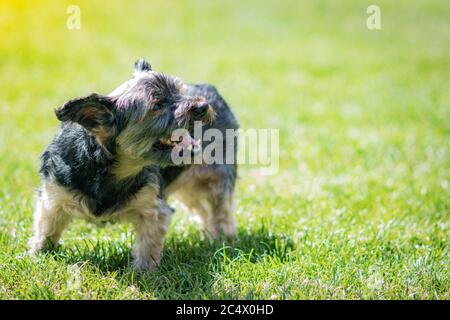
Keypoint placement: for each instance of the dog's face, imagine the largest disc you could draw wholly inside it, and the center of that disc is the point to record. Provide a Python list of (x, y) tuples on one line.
[(136, 120)]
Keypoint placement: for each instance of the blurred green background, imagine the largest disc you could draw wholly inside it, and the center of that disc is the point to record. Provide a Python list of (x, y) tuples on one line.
[(360, 206)]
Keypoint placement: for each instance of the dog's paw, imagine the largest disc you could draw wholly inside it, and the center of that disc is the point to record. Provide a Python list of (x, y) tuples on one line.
[(222, 230), (37, 244), (141, 266)]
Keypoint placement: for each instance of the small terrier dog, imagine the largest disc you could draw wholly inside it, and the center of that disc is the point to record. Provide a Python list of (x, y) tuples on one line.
[(111, 161)]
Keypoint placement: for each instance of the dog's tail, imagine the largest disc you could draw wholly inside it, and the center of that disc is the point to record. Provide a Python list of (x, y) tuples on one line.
[(141, 65)]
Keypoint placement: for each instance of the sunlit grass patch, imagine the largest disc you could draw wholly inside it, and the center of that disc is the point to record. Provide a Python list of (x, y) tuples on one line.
[(360, 206)]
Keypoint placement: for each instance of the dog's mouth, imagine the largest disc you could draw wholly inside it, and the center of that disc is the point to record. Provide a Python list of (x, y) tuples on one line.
[(184, 142)]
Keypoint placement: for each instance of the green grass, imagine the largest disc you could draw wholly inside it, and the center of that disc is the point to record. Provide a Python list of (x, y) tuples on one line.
[(360, 206)]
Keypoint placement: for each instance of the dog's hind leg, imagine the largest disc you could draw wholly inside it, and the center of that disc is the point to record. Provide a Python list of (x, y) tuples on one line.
[(221, 221), (208, 192), (215, 211), (220, 182)]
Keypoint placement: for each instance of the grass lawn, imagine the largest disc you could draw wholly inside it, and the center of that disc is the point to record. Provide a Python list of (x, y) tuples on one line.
[(360, 206)]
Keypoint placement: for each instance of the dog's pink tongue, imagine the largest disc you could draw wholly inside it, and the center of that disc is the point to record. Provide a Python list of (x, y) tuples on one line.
[(190, 144)]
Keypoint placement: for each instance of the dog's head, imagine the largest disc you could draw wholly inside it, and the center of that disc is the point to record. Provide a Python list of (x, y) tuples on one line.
[(136, 121)]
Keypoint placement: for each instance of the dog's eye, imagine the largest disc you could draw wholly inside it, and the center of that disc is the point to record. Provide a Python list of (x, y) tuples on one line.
[(158, 106)]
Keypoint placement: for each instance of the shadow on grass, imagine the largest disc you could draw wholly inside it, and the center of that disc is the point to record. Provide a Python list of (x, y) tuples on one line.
[(189, 266)]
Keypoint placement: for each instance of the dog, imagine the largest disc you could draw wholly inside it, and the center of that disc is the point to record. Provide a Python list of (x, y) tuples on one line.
[(112, 161)]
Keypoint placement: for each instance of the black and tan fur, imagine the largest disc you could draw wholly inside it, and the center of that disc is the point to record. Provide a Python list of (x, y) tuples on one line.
[(110, 161)]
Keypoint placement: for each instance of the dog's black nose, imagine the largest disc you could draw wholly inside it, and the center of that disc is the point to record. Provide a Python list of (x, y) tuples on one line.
[(201, 109)]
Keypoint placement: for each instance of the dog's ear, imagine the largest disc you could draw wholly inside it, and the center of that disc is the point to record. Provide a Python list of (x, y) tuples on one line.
[(94, 112), (141, 65), (91, 112)]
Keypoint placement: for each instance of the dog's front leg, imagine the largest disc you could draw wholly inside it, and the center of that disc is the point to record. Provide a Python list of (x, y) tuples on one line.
[(49, 223), (151, 229)]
